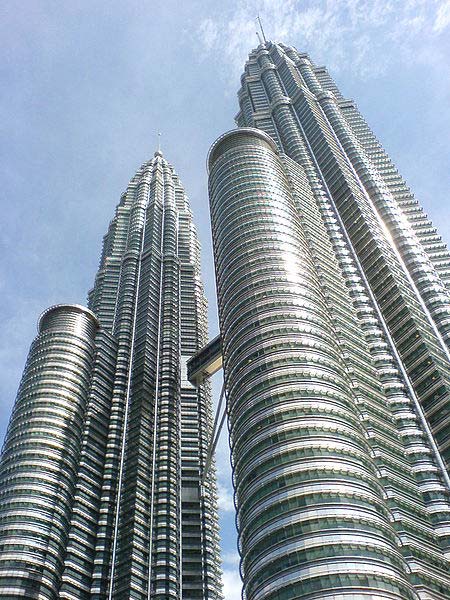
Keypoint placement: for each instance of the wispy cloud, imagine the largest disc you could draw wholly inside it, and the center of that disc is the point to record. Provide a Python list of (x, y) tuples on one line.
[(340, 32), (232, 585), (209, 32), (225, 501), (442, 17), (231, 558)]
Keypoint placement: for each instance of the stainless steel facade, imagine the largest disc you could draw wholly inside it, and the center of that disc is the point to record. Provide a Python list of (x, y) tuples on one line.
[(333, 311), (100, 476), (39, 462), (403, 258)]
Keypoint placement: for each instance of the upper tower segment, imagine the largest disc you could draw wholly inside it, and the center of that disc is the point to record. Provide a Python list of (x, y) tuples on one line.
[(153, 193), (402, 259), (148, 293)]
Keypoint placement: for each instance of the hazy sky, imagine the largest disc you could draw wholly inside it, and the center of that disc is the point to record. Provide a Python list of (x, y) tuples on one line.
[(86, 86)]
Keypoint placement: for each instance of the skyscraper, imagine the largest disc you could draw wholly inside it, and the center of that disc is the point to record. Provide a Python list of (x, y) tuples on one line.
[(102, 489), (334, 314)]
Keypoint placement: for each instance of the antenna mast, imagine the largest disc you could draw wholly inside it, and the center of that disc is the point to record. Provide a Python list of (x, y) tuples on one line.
[(262, 30)]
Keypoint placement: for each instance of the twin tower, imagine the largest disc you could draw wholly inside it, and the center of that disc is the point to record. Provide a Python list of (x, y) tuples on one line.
[(334, 308)]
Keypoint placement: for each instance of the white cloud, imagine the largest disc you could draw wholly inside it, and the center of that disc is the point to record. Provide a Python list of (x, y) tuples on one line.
[(225, 501), (209, 32), (348, 32), (231, 558), (232, 585), (442, 17)]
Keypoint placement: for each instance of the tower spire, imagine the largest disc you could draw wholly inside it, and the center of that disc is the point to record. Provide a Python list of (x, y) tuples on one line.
[(158, 151), (261, 27)]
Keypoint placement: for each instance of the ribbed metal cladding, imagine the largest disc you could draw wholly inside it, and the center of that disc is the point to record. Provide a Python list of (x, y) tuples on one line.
[(404, 260), (100, 480), (157, 534), (71, 318), (389, 313), (312, 519), (40, 456)]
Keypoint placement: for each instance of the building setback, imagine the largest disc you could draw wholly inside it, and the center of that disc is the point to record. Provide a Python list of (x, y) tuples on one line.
[(100, 494), (334, 309)]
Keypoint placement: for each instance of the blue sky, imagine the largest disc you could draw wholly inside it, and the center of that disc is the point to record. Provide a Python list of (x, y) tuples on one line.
[(86, 86)]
